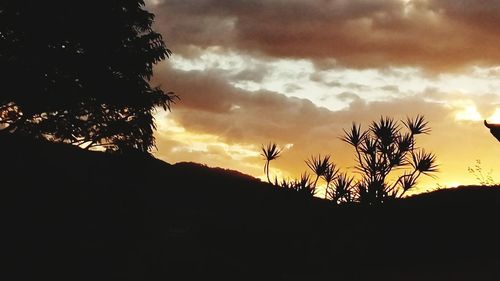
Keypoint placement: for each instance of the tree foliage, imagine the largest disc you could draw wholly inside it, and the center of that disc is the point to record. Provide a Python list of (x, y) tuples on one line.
[(386, 148), (78, 72), (270, 153), (382, 149)]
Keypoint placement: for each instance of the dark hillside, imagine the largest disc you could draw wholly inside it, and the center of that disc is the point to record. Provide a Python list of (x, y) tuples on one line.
[(78, 215)]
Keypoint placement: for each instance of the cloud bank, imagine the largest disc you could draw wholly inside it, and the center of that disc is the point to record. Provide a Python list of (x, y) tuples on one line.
[(437, 35), (298, 72)]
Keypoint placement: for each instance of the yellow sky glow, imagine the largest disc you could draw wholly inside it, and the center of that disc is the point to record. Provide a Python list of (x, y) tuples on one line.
[(300, 72)]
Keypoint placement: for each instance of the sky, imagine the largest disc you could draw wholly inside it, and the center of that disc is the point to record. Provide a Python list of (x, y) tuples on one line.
[(298, 72)]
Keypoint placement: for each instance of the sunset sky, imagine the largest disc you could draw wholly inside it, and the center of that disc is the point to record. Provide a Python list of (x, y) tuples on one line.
[(298, 72)]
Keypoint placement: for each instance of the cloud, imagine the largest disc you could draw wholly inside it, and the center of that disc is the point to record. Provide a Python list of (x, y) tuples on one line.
[(226, 116), (437, 35), (390, 88), (348, 96), (484, 104), (236, 64), (253, 73)]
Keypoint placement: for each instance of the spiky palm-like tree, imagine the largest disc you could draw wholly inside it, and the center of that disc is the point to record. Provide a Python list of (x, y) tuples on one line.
[(305, 186), (383, 148), (342, 191), (329, 175), (270, 152), (417, 126), (319, 166)]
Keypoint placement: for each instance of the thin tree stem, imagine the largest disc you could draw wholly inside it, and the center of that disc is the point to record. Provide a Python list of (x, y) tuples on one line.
[(316, 181), (267, 171)]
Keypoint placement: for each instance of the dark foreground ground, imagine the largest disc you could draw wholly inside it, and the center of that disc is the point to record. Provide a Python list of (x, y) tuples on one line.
[(68, 214)]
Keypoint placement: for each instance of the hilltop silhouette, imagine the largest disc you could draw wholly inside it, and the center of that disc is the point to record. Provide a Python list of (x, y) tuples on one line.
[(82, 215), (79, 78)]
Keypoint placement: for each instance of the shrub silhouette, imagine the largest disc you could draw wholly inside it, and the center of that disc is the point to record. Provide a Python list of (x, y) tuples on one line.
[(77, 72), (383, 148), (304, 186), (343, 191), (319, 166), (329, 176)]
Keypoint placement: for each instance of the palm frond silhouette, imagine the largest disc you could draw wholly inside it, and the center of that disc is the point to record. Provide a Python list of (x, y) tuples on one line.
[(354, 136), (343, 186), (417, 126), (305, 186), (270, 152), (406, 182), (381, 149), (386, 146), (385, 130), (329, 175), (319, 166), (424, 162)]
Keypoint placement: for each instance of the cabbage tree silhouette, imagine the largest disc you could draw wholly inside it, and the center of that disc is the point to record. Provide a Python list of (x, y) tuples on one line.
[(319, 166), (329, 175), (383, 148), (305, 186), (343, 191), (270, 152), (78, 72), (494, 129)]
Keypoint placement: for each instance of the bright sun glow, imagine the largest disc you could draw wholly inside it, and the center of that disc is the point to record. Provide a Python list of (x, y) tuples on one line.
[(495, 118), (452, 184), (468, 113), (453, 92)]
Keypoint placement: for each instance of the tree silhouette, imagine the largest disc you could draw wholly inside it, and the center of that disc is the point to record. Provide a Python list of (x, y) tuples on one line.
[(305, 186), (329, 175), (319, 166), (78, 72), (343, 189), (270, 152), (384, 148)]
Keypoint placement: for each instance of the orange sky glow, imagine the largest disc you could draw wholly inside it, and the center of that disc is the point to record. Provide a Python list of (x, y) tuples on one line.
[(298, 72)]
